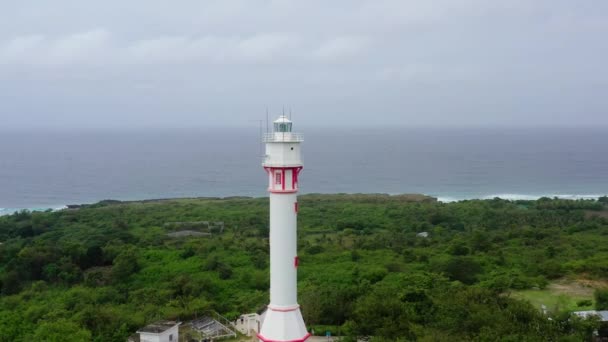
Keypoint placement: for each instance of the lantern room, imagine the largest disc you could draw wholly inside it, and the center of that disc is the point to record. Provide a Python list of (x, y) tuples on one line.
[(282, 145), (282, 124)]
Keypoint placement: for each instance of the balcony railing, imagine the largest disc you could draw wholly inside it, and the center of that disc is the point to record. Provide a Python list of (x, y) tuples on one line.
[(283, 137)]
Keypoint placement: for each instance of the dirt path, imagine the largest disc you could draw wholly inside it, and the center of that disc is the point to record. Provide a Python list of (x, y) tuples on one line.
[(577, 287)]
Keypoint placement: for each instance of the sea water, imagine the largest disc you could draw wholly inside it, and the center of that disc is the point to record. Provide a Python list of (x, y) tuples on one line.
[(42, 170)]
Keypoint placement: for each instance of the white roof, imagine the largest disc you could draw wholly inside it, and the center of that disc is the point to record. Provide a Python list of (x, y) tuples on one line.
[(603, 315), (158, 327), (282, 119)]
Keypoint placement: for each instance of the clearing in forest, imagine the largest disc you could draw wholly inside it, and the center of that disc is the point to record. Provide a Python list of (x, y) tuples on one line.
[(563, 295)]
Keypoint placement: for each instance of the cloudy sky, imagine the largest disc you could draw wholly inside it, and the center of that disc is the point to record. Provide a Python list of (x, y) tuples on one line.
[(192, 63)]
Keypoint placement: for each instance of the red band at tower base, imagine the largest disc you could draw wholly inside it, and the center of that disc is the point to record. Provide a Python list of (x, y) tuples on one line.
[(298, 340)]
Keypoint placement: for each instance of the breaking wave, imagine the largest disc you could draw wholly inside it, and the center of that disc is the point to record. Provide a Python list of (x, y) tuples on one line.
[(9, 211), (515, 197)]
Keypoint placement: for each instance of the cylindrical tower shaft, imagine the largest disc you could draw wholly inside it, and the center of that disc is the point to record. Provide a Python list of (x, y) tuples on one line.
[(283, 320), (283, 251)]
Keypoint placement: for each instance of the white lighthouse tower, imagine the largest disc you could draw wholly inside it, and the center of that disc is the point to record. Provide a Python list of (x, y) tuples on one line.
[(283, 320)]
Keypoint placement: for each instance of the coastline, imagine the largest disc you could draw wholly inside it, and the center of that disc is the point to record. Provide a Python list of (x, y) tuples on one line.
[(412, 197), (9, 211), (520, 197)]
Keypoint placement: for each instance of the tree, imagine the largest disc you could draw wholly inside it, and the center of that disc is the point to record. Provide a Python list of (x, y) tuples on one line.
[(124, 265), (60, 330), (463, 269), (345, 285), (480, 241), (459, 247), (12, 326), (260, 260), (382, 314), (224, 271), (355, 255), (10, 283), (601, 299)]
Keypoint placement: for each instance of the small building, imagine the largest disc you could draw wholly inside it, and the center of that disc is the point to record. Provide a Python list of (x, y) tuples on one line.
[(162, 331), (248, 324), (423, 234), (602, 315)]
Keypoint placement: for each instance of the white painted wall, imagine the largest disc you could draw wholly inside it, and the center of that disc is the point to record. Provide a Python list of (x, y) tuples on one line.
[(249, 323), (170, 335), (283, 250), (149, 337), (283, 154)]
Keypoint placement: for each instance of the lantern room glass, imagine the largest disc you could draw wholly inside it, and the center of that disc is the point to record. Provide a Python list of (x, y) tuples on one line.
[(282, 127)]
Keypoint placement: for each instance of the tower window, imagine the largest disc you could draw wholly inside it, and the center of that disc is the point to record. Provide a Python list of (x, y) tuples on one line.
[(277, 178)]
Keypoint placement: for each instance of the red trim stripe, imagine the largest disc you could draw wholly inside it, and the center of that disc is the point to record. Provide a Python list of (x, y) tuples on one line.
[(269, 340), (282, 191), (295, 171), (283, 179), (294, 308)]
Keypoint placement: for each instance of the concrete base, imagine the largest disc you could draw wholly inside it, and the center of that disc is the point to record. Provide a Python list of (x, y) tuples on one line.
[(283, 324)]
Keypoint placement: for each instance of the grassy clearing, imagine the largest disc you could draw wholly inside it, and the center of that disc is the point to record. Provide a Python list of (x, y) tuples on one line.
[(553, 301), (561, 295)]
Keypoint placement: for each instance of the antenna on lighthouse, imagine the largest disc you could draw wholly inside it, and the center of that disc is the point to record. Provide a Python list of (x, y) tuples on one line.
[(267, 119), (260, 139)]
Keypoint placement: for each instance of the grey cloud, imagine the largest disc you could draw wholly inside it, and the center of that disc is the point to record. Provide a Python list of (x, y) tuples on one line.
[(340, 47), (99, 46), (468, 62)]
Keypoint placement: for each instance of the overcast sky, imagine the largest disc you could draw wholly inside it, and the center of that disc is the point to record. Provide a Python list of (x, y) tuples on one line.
[(193, 63)]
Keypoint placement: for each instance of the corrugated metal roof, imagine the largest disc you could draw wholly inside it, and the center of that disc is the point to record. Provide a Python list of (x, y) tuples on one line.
[(158, 327)]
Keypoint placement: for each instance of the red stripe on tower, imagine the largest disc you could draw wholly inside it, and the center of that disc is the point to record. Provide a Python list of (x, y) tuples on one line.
[(283, 183), (298, 340)]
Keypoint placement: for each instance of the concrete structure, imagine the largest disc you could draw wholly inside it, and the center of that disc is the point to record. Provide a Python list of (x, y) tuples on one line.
[(212, 327), (283, 320), (163, 331), (248, 324), (602, 315)]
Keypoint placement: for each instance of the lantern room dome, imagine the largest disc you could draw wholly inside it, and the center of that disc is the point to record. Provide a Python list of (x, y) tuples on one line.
[(282, 118), (282, 124)]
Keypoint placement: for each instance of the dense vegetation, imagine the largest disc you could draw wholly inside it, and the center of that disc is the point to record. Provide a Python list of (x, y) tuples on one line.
[(102, 271)]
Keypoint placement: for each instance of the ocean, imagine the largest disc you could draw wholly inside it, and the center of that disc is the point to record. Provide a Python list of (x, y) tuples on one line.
[(42, 170)]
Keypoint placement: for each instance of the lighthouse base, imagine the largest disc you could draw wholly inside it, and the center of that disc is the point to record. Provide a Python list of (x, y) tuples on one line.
[(283, 324)]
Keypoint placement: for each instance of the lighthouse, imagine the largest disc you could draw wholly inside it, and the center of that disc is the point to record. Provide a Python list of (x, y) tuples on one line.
[(283, 320)]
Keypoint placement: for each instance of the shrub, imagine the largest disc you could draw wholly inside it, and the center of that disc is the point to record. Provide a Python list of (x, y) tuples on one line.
[(601, 299), (314, 249), (584, 302)]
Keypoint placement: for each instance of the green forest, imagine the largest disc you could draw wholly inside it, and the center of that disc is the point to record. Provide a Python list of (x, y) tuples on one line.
[(99, 272)]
